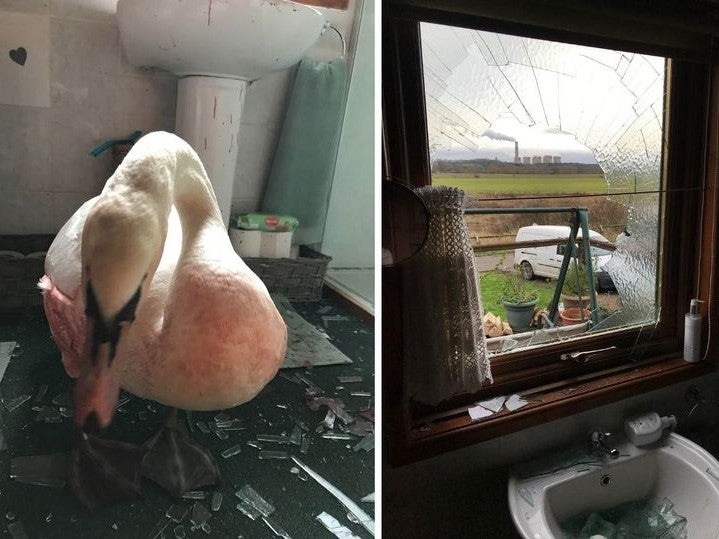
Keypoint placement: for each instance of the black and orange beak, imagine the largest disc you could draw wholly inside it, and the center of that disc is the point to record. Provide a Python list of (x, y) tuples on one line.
[(98, 386)]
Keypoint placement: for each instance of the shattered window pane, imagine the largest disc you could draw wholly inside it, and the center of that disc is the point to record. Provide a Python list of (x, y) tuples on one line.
[(525, 123)]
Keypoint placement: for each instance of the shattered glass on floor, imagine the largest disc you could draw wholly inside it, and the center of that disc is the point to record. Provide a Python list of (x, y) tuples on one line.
[(253, 444)]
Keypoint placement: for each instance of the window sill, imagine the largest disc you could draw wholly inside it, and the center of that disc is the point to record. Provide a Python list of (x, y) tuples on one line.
[(452, 430)]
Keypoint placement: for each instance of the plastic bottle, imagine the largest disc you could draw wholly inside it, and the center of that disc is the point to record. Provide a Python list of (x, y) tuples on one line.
[(693, 333)]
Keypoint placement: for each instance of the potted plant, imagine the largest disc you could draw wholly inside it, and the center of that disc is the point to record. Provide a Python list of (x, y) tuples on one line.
[(575, 290), (519, 302)]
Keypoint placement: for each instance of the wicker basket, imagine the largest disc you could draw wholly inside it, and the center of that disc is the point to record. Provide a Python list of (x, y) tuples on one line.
[(298, 279), (22, 263)]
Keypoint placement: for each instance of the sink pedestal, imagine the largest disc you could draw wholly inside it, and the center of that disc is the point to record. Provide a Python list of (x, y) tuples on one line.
[(208, 118)]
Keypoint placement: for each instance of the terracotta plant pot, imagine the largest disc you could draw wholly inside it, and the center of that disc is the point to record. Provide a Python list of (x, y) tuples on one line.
[(573, 316), (575, 302)]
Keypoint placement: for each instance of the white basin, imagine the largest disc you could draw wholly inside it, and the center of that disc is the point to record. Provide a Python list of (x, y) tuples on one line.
[(240, 39), (675, 468), (217, 47)]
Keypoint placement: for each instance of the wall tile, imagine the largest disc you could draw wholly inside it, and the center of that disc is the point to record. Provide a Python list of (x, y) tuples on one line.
[(266, 100), (64, 205), (254, 159), (91, 10), (154, 94), (73, 135), (26, 213), (26, 6), (81, 49)]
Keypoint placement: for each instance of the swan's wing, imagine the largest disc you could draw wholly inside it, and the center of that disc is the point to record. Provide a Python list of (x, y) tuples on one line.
[(60, 285), (63, 261)]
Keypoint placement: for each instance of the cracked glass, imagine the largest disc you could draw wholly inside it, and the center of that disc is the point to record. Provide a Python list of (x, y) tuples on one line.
[(517, 122)]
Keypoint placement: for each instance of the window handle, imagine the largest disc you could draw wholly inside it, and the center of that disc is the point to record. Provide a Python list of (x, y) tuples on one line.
[(584, 355)]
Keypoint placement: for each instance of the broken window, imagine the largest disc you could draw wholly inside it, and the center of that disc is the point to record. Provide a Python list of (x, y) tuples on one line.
[(522, 123)]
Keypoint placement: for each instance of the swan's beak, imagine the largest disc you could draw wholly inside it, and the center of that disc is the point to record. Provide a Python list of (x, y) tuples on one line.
[(98, 386), (96, 392)]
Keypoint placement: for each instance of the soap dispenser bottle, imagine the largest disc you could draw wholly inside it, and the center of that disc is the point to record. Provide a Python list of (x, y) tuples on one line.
[(693, 333)]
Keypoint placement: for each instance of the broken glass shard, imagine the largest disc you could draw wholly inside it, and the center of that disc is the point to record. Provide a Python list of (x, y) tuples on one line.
[(190, 422), (337, 436), (44, 470), (361, 394), (48, 518), (15, 403), (477, 413), (329, 420), (333, 318), (305, 444), (249, 511), (515, 402), (253, 499), (334, 527), (296, 436), (274, 438), (216, 501), (349, 379), (222, 416), (526, 495), (231, 451), (199, 514), (65, 412), (63, 399), (40, 392), (494, 404), (366, 444), (364, 519), (10, 515), (176, 513), (282, 406), (17, 530), (179, 532), (120, 402), (203, 427), (158, 529), (254, 444), (194, 495), (232, 424), (221, 434), (268, 455), (206, 528), (48, 414), (369, 498), (276, 529), (6, 350)]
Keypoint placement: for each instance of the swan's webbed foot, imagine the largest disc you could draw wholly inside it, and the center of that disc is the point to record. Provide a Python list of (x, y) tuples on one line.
[(104, 471), (177, 463)]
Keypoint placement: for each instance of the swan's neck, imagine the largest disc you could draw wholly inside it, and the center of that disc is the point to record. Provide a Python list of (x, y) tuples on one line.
[(162, 170)]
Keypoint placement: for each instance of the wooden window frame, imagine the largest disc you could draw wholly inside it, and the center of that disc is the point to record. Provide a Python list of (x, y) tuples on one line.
[(555, 389)]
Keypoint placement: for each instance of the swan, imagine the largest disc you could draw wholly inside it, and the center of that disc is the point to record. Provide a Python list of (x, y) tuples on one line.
[(143, 291)]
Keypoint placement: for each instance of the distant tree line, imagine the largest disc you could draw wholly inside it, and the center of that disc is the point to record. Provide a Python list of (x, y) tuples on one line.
[(492, 166)]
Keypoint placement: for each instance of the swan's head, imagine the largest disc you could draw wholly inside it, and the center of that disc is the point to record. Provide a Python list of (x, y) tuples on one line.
[(119, 256)]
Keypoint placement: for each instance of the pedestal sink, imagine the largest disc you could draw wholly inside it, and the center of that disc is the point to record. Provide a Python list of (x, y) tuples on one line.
[(546, 493), (217, 47)]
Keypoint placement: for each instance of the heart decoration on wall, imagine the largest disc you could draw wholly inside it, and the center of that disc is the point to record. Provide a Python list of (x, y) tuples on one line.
[(19, 55)]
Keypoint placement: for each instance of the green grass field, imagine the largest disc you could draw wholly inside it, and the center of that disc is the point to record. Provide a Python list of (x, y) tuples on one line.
[(524, 184), (491, 284)]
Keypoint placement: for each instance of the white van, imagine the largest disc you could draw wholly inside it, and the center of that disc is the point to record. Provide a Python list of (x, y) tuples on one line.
[(546, 261)]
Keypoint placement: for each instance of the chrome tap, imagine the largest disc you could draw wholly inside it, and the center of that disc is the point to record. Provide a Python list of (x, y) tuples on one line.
[(598, 444)]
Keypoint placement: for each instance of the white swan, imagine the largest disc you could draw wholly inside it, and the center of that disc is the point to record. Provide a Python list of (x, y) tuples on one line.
[(144, 291)]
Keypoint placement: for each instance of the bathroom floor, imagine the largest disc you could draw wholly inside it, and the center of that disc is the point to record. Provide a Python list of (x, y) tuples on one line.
[(282, 405)]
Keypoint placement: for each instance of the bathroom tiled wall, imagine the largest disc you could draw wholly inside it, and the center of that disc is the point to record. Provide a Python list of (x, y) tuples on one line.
[(45, 169)]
